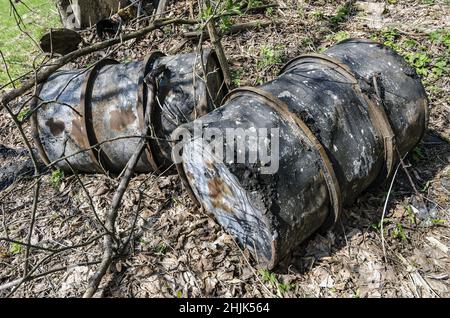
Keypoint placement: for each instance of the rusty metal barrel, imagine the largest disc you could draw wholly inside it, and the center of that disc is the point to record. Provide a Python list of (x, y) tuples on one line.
[(91, 120), (342, 120)]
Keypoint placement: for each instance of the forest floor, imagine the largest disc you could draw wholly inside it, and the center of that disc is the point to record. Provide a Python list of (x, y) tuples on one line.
[(180, 252)]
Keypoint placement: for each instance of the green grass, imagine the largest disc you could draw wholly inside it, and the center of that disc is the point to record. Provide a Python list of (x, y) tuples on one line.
[(18, 49)]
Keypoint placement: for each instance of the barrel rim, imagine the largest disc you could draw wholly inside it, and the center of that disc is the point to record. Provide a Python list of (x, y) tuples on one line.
[(269, 263), (179, 166), (143, 103), (101, 162), (204, 59), (377, 112), (328, 172), (342, 68), (426, 103)]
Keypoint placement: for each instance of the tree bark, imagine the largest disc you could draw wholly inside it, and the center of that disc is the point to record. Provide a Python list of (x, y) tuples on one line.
[(79, 14)]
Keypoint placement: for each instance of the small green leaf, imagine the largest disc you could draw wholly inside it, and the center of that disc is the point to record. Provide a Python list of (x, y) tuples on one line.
[(22, 114), (15, 248), (56, 178)]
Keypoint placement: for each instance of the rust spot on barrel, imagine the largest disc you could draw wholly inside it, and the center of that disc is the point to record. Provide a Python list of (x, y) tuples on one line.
[(209, 165), (189, 175), (120, 119), (217, 190), (56, 126), (78, 131)]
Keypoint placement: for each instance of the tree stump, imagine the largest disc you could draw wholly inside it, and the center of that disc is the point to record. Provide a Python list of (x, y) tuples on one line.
[(79, 14)]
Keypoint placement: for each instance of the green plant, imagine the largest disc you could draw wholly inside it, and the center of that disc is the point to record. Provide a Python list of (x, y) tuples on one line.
[(426, 186), (377, 226), (143, 241), (340, 36), (318, 15), (22, 114), (410, 43), (419, 61), (418, 55), (229, 7), (253, 3), (439, 37), (284, 288), (390, 35), (374, 37), (268, 277), (439, 68), (417, 154), (207, 13), (236, 76), (438, 221), (433, 89), (225, 23), (300, 11), (269, 56), (56, 178), (271, 278), (15, 248), (161, 248), (399, 232), (270, 11), (307, 41), (341, 14), (411, 215)]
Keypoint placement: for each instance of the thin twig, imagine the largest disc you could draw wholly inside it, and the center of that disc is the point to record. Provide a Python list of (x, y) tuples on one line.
[(51, 271), (43, 260), (217, 44), (32, 222), (7, 69), (384, 212)]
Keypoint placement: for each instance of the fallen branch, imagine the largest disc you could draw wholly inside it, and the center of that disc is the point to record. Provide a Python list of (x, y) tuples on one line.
[(384, 214), (31, 227), (51, 271), (46, 258), (215, 41)]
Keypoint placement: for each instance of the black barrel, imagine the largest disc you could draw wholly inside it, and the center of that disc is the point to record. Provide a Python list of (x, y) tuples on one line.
[(95, 117), (340, 130)]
